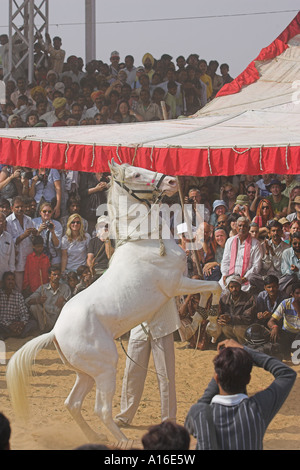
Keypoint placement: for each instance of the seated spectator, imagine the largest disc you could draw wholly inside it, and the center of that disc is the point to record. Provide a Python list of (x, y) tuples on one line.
[(46, 302), (85, 278), (294, 227), (231, 224), (15, 320), (174, 100), (30, 207), (242, 255), (264, 213), (236, 310), (288, 313), (72, 281), (272, 250), (269, 299), (293, 194), (285, 229), (37, 267), (212, 269), (278, 201), (51, 231), (166, 436), (74, 245), (290, 264), (219, 208)]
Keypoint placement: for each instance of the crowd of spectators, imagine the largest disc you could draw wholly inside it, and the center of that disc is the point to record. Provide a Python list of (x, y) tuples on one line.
[(51, 244)]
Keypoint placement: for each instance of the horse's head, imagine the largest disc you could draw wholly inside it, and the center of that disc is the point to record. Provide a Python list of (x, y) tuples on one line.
[(141, 183)]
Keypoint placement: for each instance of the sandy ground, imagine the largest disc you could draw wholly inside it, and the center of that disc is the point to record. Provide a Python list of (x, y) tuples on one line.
[(52, 428)]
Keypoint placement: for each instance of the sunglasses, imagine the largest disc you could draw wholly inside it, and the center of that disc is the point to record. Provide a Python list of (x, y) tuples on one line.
[(265, 207), (75, 222), (251, 192), (47, 212)]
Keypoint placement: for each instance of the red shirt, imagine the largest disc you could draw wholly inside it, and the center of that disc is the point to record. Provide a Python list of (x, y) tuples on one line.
[(36, 271)]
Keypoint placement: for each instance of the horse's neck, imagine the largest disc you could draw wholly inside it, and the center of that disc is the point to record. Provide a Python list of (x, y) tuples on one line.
[(129, 218)]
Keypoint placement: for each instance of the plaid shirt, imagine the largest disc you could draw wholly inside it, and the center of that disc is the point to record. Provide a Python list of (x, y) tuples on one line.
[(12, 308)]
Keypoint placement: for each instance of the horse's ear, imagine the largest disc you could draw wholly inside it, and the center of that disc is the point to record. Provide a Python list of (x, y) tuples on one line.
[(113, 166)]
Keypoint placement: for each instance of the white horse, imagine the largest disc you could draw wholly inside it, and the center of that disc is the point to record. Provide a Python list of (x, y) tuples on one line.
[(141, 280)]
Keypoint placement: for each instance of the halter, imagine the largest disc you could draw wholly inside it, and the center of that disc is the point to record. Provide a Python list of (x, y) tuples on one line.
[(157, 193)]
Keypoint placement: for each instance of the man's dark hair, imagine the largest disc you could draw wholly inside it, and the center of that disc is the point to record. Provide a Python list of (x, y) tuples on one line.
[(233, 367), (166, 436), (271, 279), (295, 286), (5, 431)]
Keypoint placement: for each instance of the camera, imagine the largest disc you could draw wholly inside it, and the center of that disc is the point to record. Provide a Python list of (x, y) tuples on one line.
[(27, 174), (49, 225)]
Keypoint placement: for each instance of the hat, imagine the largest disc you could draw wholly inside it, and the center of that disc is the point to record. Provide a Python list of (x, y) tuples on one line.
[(234, 278), (59, 102), (296, 200), (51, 72), (59, 86), (283, 220), (11, 117), (242, 199), (148, 56), (37, 89), (140, 69), (282, 185), (218, 203), (96, 94), (114, 54)]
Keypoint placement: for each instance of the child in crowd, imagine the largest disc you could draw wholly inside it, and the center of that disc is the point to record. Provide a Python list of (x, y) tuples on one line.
[(36, 267)]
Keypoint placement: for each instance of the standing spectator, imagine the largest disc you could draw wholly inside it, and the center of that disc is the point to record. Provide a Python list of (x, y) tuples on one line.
[(130, 69), (205, 78), (14, 317), (114, 63), (20, 227), (146, 108), (226, 78), (55, 52), (99, 249), (217, 81), (73, 207), (74, 245), (37, 267), (46, 302), (92, 192), (46, 186), (7, 248), (51, 231)]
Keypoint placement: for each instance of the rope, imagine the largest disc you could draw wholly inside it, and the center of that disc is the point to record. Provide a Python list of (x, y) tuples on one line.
[(260, 158), (93, 159), (41, 151), (286, 156), (135, 152), (151, 156), (66, 152), (240, 153), (208, 160), (117, 152)]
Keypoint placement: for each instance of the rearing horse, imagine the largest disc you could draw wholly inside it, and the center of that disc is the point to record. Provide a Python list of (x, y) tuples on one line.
[(137, 286)]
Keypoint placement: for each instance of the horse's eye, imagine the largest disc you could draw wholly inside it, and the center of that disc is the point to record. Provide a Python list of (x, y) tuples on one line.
[(137, 175)]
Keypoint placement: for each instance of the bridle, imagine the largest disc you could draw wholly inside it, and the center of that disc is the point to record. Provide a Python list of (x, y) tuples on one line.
[(155, 189)]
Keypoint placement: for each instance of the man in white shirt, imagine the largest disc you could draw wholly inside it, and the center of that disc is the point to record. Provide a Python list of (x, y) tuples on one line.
[(7, 249), (242, 255)]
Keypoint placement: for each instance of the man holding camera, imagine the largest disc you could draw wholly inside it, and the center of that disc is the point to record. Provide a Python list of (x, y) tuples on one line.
[(51, 231)]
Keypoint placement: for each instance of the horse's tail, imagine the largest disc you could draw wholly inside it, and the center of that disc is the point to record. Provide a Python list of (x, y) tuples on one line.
[(19, 369)]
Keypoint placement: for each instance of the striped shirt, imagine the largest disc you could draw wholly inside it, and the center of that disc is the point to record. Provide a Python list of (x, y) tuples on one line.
[(291, 320), (239, 421)]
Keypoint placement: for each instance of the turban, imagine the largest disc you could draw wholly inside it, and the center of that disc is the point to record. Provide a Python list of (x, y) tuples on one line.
[(38, 89), (148, 56), (96, 95), (59, 102), (234, 278)]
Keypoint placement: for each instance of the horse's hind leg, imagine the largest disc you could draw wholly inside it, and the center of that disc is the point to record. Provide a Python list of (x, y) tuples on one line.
[(105, 390), (81, 388)]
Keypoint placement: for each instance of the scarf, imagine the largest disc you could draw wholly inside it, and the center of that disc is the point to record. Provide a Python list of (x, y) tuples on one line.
[(246, 259)]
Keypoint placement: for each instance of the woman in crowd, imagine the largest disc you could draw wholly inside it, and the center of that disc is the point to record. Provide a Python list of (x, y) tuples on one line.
[(264, 213), (211, 270), (74, 245), (127, 114), (51, 231)]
